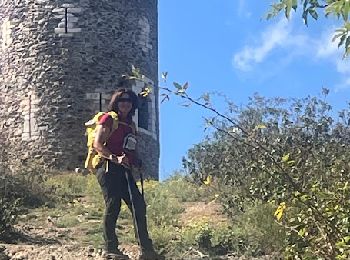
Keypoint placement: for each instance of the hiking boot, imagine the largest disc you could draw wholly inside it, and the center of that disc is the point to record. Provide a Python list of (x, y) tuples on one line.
[(114, 255), (150, 255)]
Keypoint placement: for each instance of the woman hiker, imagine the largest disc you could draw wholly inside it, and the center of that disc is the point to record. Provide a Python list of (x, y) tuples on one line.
[(112, 178)]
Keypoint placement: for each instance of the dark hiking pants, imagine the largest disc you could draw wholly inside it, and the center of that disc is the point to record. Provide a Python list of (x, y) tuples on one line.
[(115, 188)]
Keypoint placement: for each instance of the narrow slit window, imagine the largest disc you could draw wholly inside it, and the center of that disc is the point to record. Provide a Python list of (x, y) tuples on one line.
[(101, 102), (143, 113)]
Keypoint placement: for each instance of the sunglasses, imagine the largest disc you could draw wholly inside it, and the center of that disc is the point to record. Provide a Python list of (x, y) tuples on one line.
[(124, 100)]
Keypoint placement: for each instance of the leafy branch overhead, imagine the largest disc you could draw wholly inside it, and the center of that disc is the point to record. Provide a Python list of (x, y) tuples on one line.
[(313, 8)]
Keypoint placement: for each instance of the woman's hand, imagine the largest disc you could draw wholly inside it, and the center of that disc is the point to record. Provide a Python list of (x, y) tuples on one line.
[(123, 160)]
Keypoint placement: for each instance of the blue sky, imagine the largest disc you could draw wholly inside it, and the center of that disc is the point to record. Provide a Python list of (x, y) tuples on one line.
[(227, 46)]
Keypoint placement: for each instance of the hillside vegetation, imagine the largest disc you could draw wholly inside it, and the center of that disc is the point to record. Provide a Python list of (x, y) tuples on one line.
[(185, 221), (272, 182)]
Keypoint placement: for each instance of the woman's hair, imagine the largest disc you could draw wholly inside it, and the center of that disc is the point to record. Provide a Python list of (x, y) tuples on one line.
[(113, 104)]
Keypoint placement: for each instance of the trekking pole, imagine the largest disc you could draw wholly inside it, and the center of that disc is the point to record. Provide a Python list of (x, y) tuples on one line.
[(142, 190), (133, 212)]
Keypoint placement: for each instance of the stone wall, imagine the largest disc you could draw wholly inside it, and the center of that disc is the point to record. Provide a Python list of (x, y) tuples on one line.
[(60, 61)]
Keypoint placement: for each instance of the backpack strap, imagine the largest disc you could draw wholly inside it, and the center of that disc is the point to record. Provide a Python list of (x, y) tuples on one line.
[(132, 126)]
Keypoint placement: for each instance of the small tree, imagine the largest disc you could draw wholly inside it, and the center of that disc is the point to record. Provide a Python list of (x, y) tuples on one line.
[(292, 154)]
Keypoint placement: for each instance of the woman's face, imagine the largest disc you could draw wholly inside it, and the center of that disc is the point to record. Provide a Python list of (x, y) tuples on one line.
[(124, 104)]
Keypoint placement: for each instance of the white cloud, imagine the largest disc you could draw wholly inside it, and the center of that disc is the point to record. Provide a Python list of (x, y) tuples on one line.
[(343, 66), (275, 36), (242, 9), (343, 85), (327, 49), (281, 36), (245, 59)]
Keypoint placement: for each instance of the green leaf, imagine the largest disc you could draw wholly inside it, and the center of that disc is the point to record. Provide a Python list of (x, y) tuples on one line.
[(164, 75), (345, 10), (177, 85), (288, 8), (291, 163), (347, 42), (325, 91), (185, 86), (206, 97), (285, 158), (166, 97), (346, 26), (275, 10), (313, 13), (302, 232), (305, 15), (260, 126), (342, 40)]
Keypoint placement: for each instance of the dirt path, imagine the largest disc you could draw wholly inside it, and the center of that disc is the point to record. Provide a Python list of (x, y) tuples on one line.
[(44, 240), (56, 251), (33, 243), (194, 211)]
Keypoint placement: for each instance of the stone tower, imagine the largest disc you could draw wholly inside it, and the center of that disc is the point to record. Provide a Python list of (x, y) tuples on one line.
[(60, 61)]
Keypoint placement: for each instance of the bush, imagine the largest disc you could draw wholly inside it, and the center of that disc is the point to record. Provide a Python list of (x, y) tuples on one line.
[(21, 191), (256, 231), (185, 189), (165, 204), (252, 233), (9, 210), (292, 153), (162, 208)]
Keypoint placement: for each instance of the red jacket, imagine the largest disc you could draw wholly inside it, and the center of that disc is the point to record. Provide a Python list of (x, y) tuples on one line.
[(116, 140)]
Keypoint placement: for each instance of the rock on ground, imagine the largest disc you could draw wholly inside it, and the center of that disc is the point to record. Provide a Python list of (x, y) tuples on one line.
[(58, 252)]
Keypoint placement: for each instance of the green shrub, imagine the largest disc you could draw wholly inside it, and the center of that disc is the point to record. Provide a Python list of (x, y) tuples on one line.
[(19, 192), (162, 208), (294, 152), (27, 185), (185, 190), (252, 233), (67, 185), (9, 210), (67, 221), (167, 240)]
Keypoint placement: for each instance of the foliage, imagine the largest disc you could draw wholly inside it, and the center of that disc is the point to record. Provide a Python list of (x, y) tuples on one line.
[(67, 186), (28, 183), (162, 209), (190, 190), (251, 233), (285, 151), (20, 191), (337, 8), (9, 210)]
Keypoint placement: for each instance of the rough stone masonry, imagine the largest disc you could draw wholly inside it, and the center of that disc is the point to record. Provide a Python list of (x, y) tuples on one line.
[(60, 61)]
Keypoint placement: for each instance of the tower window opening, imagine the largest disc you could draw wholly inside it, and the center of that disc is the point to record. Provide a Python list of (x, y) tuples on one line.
[(143, 113), (100, 102), (65, 20)]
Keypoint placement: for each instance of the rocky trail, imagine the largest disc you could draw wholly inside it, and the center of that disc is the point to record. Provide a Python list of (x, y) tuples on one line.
[(52, 243)]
